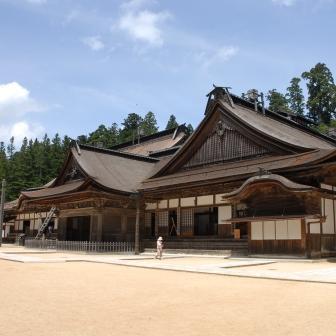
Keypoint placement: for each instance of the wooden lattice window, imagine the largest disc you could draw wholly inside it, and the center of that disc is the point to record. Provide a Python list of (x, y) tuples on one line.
[(187, 221), (162, 222)]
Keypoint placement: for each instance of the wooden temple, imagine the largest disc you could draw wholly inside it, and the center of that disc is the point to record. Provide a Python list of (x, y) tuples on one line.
[(248, 179)]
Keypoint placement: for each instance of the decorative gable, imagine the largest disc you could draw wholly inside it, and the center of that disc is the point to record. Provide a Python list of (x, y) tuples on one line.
[(72, 172), (225, 143)]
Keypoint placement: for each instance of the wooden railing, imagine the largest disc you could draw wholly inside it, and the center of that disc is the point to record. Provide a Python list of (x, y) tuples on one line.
[(80, 246)]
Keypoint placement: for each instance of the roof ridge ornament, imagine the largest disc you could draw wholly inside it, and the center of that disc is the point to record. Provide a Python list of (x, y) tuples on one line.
[(78, 148), (219, 93)]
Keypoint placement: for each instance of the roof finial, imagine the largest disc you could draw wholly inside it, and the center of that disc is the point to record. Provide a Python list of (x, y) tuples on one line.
[(78, 148), (220, 93)]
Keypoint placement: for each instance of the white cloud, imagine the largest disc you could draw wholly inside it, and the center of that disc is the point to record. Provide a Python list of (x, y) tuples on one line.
[(94, 42), (15, 100), (142, 24), (286, 3), (19, 130), (221, 55)]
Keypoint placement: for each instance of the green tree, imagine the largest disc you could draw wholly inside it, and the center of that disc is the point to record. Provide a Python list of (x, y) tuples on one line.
[(190, 128), (130, 127), (66, 144), (295, 96), (149, 124), (107, 137), (3, 161), (11, 148), (56, 155), (172, 123), (321, 102), (277, 101), (82, 139)]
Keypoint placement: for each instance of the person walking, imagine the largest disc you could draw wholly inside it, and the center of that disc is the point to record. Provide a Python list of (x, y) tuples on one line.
[(159, 248)]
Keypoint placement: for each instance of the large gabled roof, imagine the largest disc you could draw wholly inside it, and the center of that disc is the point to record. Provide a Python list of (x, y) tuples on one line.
[(110, 170), (114, 170), (269, 129)]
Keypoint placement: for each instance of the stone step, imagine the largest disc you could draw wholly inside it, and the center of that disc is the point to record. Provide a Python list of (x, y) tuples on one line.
[(206, 245), (226, 252)]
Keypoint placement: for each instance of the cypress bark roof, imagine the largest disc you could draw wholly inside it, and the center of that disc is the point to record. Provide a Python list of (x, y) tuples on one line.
[(155, 143), (54, 191), (110, 170)]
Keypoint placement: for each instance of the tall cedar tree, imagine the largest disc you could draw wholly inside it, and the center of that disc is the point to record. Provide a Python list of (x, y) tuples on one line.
[(295, 97), (130, 128), (277, 101), (172, 123), (149, 124), (321, 102), (3, 161)]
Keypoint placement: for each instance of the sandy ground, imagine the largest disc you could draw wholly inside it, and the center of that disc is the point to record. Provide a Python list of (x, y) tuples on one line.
[(70, 299), (185, 261), (288, 267)]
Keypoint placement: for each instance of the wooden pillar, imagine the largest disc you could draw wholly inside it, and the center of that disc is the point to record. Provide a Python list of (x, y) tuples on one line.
[(321, 232), (123, 226), (178, 224), (308, 240), (137, 227), (156, 224), (100, 227)]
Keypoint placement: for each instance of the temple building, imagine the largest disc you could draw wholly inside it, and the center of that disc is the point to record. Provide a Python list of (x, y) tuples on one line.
[(247, 180)]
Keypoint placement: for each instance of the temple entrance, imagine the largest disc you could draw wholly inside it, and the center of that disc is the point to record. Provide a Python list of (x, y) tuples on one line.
[(205, 221), (78, 228), (26, 227)]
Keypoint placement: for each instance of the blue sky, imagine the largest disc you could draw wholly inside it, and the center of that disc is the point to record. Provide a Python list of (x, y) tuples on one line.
[(69, 66)]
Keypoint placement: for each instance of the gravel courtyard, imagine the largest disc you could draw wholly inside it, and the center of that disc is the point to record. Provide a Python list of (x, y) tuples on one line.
[(80, 298)]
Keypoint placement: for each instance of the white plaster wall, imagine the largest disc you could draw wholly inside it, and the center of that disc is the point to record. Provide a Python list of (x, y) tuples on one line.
[(281, 229), (269, 230), (163, 204), (205, 200), (328, 225), (150, 206), (187, 201), (314, 227), (256, 230), (173, 203), (219, 199), (294, 228), (224, 213)]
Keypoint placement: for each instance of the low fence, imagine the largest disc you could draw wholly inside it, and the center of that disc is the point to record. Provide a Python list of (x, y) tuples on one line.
[(80, 246)]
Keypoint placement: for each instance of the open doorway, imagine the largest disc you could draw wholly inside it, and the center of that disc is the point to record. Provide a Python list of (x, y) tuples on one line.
[(26, 227), (205, 221), (78, 228)]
